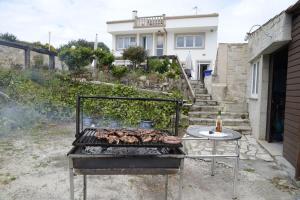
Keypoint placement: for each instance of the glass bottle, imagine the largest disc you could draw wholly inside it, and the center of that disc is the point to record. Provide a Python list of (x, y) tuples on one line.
[(219, 122)]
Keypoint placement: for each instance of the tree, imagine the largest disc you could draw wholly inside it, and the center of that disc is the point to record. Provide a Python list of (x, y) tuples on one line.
[(136, 55), (8, 37), (83, 43), (77, 58)]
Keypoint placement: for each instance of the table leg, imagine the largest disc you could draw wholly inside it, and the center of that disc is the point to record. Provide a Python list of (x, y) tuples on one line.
[(180, 180), (71, 184), (84, 187), (236, 170), (166, 187), (213, 161)]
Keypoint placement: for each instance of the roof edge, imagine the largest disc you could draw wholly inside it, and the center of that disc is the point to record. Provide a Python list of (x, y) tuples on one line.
[(168, 17)]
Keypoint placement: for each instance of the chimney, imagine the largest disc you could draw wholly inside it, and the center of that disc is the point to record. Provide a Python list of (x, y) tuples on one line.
[(134, 14)]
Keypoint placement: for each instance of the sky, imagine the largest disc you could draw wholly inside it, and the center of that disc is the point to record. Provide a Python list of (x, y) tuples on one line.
[(31, 20)]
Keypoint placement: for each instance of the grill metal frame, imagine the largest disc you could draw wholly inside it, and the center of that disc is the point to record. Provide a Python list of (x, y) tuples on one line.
[(87, 138), (79, 109), (107, 164)]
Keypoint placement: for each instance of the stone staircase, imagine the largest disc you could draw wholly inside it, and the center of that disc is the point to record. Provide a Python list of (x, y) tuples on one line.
[(204, 112)]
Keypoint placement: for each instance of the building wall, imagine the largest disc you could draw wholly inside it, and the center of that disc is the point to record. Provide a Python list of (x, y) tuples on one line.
[(208, 53), (291, 142), (267, 39), (228, 84)]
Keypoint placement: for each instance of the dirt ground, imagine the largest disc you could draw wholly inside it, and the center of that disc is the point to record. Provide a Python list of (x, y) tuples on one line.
[(34, 166)]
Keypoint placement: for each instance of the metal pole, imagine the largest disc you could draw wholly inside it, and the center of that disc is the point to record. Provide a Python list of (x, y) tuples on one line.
[(84, 187), (166, 187), (49, 40), (77, 116), (177, 117), (180, 179), (71, 173), (213, 158), (236, 169)]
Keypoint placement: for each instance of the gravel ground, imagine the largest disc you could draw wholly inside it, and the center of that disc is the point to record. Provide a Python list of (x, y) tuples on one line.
[(33, 165)]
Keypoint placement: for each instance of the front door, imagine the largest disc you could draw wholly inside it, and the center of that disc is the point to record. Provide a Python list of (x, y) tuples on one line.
[(160, 45), (201, 67)]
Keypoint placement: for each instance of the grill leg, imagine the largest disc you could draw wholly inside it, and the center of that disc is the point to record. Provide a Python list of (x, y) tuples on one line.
[(180, 180), (84, 187), (166, 187), (71, 184), (213, 162), (236, 170)]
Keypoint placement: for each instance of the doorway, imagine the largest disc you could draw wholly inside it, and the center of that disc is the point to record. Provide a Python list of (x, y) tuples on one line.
[(201, 67), (146, 43), (276, 96), (160, 45)]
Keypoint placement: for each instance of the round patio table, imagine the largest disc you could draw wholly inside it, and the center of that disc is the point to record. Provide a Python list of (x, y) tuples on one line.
[(197, 133)]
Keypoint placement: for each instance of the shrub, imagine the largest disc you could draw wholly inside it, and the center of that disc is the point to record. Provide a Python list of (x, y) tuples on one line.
[(119, 71), (8, 37), (136, 55), (104, 58), (76, 58), (158, 65), (83, 43)]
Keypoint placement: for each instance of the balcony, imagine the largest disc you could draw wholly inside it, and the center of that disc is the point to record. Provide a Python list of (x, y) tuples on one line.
[(150, 22)]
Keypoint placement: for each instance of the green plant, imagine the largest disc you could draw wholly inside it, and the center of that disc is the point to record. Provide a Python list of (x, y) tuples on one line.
[(119, 71), (77, 58), (83, 43), (8, 37), (136, 55), (104, 58), (158, 65)]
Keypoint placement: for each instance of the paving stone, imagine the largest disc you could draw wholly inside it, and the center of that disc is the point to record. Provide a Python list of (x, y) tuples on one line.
[(265, 157)]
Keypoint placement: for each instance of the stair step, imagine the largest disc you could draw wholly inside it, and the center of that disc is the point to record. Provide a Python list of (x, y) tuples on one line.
[(203, 97), (198, 86), (200, 91), (213, 115), (211, 122), (206, 102), (244, 130), (206, 108)]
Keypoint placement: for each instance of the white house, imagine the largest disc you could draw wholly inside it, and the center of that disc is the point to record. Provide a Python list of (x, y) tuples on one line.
[(170, 35)]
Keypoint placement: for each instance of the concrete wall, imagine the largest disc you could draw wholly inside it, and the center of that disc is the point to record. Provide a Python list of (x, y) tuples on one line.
[(13, 57), (228, 83), (267, 39)]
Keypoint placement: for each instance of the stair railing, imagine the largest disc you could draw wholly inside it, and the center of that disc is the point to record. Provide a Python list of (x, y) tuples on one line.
[(191, 93)]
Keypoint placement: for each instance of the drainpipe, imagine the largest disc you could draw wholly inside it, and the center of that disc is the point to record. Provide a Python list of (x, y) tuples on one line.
[(165, 43)]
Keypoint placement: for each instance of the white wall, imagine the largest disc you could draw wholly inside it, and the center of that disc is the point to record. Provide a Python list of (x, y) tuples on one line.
[(208, 53)]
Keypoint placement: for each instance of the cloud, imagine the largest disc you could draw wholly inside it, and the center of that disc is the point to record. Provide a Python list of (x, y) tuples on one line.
[(73, 19)]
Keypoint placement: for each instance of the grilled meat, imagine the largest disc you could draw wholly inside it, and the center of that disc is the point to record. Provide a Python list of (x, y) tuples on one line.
[(120, 133), (171, 140), (112, 139), (100, 135), (129, 139), (146, 138)]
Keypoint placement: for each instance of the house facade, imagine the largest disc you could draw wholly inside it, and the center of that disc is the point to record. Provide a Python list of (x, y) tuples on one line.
[(193, 36), (274, 83)]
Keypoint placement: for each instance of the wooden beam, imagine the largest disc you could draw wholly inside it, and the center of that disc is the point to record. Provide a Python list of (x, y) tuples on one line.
[(298, 165), (19, 45), (51, 62), (27, 58)]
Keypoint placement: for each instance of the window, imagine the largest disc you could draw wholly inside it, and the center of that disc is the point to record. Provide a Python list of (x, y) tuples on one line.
[(189, 41), (255, 79), (123, 42)]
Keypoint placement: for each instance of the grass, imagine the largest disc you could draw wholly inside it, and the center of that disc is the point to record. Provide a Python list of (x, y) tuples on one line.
[(6, 178)]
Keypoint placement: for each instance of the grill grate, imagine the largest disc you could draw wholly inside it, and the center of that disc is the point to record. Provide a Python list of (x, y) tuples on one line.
[(88, 138)]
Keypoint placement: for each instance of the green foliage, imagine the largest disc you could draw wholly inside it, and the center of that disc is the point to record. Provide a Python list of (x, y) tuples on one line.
[(8, 37), (170, 69), (54, 96), (136, 55), (43, 46), (104, 58), (119, 71), (83, 43), (76, 58)]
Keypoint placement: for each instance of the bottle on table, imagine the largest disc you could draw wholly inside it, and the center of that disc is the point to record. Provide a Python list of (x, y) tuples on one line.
[(219, 122)]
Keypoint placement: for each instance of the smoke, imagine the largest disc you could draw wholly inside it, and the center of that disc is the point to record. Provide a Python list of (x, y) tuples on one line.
[(14, 117)]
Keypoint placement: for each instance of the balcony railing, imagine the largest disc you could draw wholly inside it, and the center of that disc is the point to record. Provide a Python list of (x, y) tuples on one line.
[(148, 22)]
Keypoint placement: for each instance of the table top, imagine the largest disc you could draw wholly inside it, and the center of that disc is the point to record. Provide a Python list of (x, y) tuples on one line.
[(194, 130)]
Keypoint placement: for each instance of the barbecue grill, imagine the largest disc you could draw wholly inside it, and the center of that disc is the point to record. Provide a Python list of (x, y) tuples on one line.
[(93, 156)]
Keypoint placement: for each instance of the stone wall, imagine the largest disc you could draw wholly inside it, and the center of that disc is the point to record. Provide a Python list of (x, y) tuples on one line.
[(229, 80), (13, 57)]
